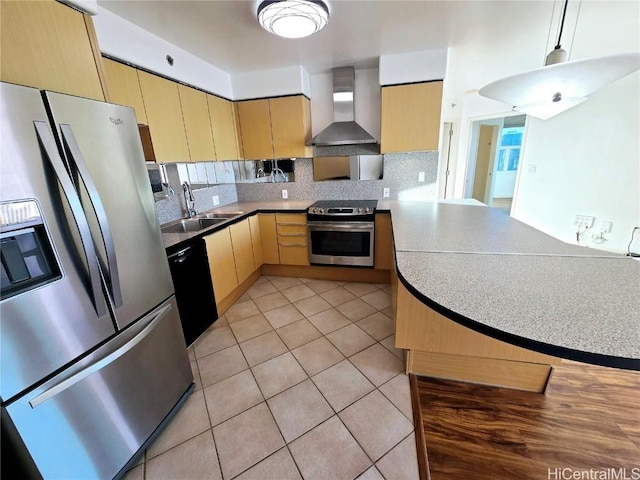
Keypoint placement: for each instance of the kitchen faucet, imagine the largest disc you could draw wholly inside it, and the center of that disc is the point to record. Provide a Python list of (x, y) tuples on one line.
[(189, 201)]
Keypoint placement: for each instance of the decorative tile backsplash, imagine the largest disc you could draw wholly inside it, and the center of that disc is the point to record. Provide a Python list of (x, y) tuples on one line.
[(400, 176)]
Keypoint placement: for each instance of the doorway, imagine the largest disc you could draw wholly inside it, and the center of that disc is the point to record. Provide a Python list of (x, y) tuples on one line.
[(494, 159)]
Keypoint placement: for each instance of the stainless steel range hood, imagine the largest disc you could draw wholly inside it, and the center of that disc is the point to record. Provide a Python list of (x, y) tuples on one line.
[(344, 130)]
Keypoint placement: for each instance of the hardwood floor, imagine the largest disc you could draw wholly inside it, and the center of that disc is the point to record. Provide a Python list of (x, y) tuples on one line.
[(589, 418)]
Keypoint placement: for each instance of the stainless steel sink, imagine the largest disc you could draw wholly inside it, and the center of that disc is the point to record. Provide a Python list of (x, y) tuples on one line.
[(191, 225), (220, 215)]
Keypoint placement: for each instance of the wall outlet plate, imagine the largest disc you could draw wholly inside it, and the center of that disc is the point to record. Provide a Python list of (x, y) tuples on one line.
[(216, 200), (285, 194), (584, 221), (420, 176), (385, 192)]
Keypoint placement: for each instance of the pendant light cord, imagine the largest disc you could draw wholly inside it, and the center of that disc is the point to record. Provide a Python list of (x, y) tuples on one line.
[(564, 14)]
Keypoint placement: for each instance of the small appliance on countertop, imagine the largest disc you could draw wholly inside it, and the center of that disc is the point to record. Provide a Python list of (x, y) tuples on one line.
[(342, 232)]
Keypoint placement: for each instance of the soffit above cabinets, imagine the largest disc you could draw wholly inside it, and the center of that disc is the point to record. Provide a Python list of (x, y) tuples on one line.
[(227, 35)]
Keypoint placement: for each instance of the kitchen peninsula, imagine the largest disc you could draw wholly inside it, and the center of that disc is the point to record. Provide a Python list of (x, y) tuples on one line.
[(485, 298)]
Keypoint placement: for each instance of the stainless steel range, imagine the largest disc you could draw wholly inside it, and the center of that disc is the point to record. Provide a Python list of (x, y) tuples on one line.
[(341, 232)]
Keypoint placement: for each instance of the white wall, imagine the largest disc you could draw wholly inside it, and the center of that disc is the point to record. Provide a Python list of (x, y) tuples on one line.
[(413, 67), (563, 185), (367, 101), (271, 83), (124, 40), (588, 165)]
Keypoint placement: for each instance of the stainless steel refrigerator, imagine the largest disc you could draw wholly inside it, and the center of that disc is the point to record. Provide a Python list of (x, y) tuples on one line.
[(93, 360)]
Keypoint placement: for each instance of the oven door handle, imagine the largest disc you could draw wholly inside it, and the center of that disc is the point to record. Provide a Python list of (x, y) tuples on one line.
[(340, 226)]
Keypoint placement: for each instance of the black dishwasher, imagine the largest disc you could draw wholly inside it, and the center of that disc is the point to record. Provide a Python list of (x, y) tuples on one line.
[(194, 290)]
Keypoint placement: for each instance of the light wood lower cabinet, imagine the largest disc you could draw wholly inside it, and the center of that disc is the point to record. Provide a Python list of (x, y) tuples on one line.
[(269, 238), (49, 46), (242, 249), (254, 226), (293, 245), (383, 259), (441, 348), (221, 263)]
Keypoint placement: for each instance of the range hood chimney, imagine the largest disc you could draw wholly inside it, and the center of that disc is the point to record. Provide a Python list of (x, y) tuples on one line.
[(344, 130)]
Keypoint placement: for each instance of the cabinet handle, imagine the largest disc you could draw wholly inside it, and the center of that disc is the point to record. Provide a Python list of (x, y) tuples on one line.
[(292, 234), (289, 224), (293, 244)]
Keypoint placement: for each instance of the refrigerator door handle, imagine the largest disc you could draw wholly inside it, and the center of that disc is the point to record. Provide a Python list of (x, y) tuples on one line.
[(77, 161), (138, 333), (51, 152)]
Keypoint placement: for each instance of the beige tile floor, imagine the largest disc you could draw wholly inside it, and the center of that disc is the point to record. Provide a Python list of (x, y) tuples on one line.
[(299, 379)]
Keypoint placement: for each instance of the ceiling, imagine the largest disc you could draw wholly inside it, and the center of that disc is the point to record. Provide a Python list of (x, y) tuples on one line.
[(226, 33)]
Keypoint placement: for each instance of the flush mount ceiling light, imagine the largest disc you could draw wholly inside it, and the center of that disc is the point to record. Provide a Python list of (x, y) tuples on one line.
[(293, 18), (559, 85)]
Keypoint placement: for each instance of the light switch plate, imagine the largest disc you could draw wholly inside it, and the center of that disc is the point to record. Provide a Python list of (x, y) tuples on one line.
[(285, 194), (385, 192), (420, 176), (216, 200)]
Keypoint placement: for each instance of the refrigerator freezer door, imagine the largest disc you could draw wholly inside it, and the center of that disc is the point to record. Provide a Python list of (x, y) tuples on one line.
[(102, 146), (43, 329), (91, 419)]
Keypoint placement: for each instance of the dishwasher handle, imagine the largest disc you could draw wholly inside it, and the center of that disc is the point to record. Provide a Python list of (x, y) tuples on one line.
[(180, 256)]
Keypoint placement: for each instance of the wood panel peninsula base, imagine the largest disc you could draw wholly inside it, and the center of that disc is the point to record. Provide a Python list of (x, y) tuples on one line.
[(441, 348)]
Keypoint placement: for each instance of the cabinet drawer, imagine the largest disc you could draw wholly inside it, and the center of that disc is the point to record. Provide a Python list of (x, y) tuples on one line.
[(297, 218), (292, 253), (290, 229)]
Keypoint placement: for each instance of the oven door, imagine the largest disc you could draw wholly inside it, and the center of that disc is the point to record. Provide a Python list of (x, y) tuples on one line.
[(341, 243)]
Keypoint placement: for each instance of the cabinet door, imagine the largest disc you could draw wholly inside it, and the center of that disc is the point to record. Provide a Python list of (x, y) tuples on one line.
[(411, 117), (223, 125), (162, 102), (290, 126), (242, 250), (221, 263), (254, 225), (383, 242), (269, 238), (255, 126), (195, 114), (124, 87), (46, 45)]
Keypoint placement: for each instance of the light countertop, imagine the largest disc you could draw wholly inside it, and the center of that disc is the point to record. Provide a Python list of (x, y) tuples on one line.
[(496, 275)]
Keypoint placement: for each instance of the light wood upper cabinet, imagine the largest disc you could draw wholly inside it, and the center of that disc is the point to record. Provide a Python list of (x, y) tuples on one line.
[(254, 226), (164, 113), (255, 127), (269, 238), (383, 255), (242, 249), (124, 87), (47, 45), (411, 117), (195, 114), (221, 263), (222, 117), (291, 126)]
